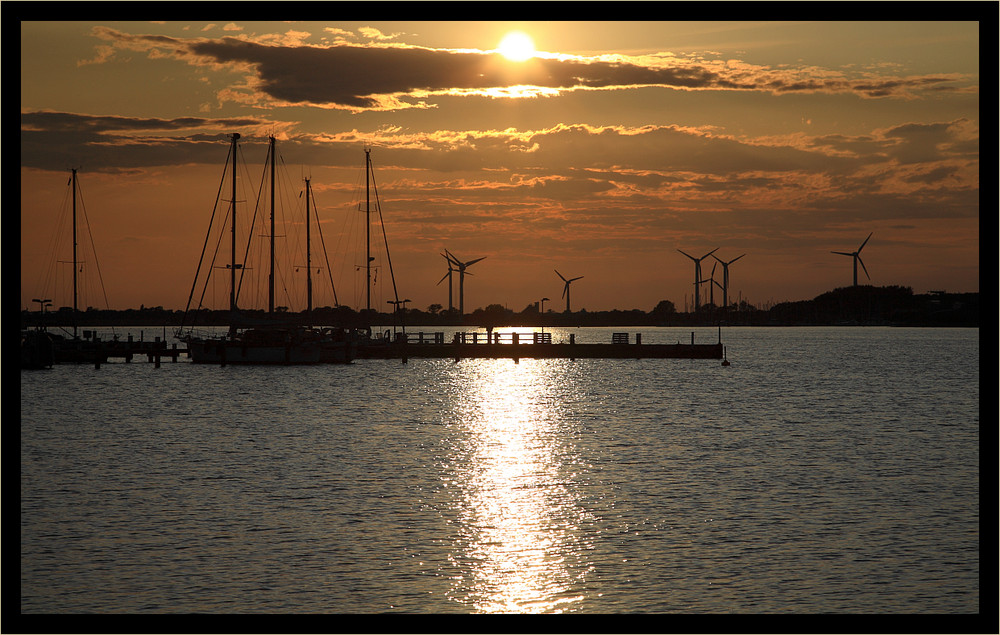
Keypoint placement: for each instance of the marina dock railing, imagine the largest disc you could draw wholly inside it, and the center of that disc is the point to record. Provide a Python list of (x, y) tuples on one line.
[(513, 337), (515, 345)]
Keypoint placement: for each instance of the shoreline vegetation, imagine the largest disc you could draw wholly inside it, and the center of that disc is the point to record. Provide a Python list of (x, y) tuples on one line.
[(861, 306)]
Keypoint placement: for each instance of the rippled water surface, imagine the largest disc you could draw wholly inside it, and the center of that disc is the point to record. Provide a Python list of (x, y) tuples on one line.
[(824, 471)]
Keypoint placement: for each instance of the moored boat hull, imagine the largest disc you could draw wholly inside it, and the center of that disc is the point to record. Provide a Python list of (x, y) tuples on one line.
[(338, 352), (233, 352), (37, 350)]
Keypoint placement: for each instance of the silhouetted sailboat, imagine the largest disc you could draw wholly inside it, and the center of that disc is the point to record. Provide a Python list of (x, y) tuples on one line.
[(368, 338), (37, 349), (337, 344), (270, 342), (43, 348)]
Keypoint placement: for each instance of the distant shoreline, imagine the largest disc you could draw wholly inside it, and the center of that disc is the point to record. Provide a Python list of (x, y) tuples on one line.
[(449, 327), (850, 306)]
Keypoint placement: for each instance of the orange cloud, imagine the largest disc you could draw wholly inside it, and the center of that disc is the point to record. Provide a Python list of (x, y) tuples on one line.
[(397, 76)]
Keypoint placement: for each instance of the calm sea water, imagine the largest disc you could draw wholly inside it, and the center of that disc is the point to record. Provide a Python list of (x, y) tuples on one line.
[(827, 470)]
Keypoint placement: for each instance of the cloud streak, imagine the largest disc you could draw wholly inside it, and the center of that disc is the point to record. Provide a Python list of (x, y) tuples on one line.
[(666, 167), (382, 76), (105, 143), (785, 147)]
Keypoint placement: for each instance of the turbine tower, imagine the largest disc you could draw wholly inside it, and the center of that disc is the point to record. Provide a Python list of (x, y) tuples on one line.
[(856, 255), (461, 267), (451, 304), (725, 277), (711, 285), (697, 276), (566, 287)]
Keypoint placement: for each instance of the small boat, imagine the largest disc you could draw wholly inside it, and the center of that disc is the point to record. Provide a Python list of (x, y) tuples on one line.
[(337, 346), (270, 345), (79, 350), (37, 349)]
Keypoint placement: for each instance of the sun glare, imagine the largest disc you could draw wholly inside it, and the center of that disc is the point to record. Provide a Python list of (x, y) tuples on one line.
[(516, 46)]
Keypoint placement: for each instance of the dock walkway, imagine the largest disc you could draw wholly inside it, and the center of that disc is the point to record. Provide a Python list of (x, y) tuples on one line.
[(474, 345), (536, 345), (94, 350)]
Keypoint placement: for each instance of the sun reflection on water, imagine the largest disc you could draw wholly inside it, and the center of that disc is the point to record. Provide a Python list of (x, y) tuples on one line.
[(521, 536)]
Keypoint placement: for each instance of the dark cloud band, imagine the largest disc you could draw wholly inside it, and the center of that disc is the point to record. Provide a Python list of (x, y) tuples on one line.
[(355, 77)]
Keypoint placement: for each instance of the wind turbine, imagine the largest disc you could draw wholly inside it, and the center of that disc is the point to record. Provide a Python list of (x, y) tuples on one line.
[(451, 305), (461, 277), (856, 255), (711, 285), (725, 277), (697, 276), (566, 287), (718, 284)]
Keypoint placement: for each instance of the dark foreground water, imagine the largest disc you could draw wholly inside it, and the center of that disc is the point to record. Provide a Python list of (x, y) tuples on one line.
[(828, 470)]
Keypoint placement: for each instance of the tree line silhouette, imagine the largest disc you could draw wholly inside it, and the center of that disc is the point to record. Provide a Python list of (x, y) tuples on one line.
[(860, 305)]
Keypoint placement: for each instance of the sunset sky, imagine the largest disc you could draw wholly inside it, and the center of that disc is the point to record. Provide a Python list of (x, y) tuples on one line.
[(612, 147)]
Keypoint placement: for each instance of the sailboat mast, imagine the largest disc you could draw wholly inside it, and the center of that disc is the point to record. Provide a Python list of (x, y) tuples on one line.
[(74, 254), (368, 241), (309, 282), (232, 267), (270, 278)]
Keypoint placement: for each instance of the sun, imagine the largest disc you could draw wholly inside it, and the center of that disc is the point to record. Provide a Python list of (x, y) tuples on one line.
[(516, 46)]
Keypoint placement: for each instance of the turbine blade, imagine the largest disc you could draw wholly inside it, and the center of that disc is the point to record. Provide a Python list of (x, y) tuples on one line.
[(445, 276), (689, 255), (865, 243), (559, 274), (572, 279), (863, 267), (565, 290), (735, 259), (842, 253), (472, 262), (709, 253)]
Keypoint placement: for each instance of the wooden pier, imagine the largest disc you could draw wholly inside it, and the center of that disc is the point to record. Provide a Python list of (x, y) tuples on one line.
[(474, 345), (94, 350), (535, 345)]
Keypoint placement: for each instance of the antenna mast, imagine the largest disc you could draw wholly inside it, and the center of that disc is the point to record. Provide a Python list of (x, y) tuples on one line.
[(309, 283), (74, 255), (232, 267), (368, 241), (270, 278)]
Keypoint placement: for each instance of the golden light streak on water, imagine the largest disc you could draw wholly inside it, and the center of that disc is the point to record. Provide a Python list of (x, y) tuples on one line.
[(520, 522)]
